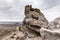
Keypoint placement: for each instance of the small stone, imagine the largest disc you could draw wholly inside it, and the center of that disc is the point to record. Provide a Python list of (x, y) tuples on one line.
[(17, 37), (12, 37)]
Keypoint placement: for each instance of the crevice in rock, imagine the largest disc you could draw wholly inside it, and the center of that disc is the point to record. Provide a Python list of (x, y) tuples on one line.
[(34, 31), (35, 26)]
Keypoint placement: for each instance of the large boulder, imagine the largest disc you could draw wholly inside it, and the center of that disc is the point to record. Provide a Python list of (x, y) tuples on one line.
[(52, 32), (34, 20)]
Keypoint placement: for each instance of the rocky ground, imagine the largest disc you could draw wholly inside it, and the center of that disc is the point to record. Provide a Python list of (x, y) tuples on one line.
[(19, 35)]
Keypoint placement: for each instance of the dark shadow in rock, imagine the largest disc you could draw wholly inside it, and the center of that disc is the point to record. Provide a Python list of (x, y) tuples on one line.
[(34, 32), (35, 26)]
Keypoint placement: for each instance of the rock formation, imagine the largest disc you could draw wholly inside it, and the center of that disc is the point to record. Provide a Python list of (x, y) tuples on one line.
[(30, 28), (34, 25), (52, 32), (34, 20)]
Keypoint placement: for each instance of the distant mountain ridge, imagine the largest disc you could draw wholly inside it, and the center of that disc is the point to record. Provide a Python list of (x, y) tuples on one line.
[(10, 22)]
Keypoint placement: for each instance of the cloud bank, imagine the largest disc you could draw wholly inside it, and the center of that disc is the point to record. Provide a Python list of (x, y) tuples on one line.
[(13, 10)]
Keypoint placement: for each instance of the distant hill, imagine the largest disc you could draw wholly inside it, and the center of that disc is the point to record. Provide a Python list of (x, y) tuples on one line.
[(10, 24)]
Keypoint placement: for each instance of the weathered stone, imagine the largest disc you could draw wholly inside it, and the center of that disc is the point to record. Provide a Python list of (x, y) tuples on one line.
[(30, 28), (34, 20), (52, 32)]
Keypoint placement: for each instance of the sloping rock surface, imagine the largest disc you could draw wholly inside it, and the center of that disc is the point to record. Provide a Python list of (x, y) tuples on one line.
[(52, 32)]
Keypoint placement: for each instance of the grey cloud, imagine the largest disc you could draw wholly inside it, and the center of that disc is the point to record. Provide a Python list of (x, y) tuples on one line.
[(14, 9), (11, 11), (49, 3)]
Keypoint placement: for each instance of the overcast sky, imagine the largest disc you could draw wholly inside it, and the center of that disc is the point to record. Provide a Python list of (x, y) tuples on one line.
[(13, 10)]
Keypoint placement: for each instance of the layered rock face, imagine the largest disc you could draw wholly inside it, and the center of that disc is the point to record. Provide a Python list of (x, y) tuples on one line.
[(52, 32), (34, 19)]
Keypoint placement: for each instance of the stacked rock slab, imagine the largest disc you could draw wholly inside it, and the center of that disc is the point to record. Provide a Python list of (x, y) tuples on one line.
[(33, 20), (53, 31)]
